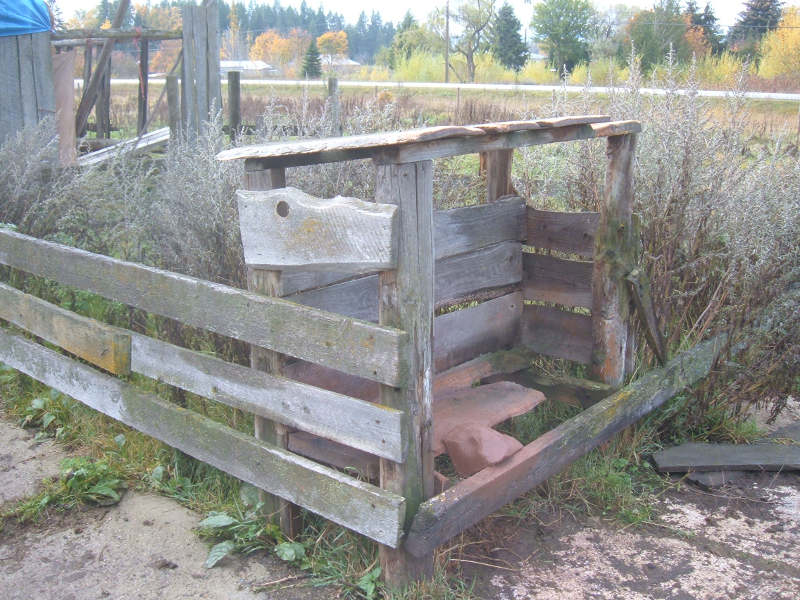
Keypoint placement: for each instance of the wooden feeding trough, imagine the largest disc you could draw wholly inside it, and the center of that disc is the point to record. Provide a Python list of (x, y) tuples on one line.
[(397, 260)]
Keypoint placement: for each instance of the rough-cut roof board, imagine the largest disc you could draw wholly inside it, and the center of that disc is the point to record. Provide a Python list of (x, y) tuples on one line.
[(365, 146)]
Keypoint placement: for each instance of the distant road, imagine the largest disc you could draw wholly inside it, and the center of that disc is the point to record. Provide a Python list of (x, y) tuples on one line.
[(489, 87)]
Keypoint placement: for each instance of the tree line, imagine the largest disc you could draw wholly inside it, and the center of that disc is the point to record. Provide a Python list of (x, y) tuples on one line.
[(568, 32)]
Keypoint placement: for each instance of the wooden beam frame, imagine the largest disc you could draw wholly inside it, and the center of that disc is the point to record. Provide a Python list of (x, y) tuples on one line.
[(406, 301), (469, 501)]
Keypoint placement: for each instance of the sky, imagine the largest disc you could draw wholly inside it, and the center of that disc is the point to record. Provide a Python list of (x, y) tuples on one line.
[(726, 10)]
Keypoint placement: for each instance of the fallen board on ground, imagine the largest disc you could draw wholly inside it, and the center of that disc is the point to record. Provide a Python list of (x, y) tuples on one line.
[(728, 457)]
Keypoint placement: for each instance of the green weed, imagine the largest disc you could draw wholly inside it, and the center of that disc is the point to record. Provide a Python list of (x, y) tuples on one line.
[(82, 481)]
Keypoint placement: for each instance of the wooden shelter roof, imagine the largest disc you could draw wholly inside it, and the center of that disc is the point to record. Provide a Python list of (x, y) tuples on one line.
[(428, 142)]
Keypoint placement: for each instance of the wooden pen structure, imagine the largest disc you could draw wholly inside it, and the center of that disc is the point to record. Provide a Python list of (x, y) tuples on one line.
[(355, 384)]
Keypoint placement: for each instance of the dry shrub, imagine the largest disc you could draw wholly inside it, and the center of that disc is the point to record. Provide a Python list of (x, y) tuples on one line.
[(720, 215)]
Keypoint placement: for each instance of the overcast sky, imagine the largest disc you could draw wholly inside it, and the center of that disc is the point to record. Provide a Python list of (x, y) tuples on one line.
[(726, 10)]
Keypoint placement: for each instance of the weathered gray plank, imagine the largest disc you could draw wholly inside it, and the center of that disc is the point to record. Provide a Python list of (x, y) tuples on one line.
[(613, 257), (572, 233), (469, 501), (575, 391), (456, 231), (354, 504), (349, 345), (558, 280), (470, 228), (364, 425), (189, 113), (497, 364), (494, 266), (464, 334), (437, 141), (43, 75), (200, 64), (728, 457), (11, 116), (212, 56), (557, 333), (457, 277), (96, 342), (517, 139), (288, 229), (333, 454), (406, 301), (27, 80), (148, 141)]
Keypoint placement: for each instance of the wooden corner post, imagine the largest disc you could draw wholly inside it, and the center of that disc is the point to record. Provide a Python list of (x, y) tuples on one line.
[(407, 302), (614, 256), (269, 283)]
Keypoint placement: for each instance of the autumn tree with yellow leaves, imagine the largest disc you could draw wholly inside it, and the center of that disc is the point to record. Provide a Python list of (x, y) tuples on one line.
[(780, 48)]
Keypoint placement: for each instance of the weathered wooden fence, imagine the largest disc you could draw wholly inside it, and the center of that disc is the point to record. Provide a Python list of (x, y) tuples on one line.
[(350, 367)]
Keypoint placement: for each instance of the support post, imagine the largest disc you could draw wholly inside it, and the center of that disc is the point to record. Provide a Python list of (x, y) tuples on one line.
[(102, 113), (173, 105), (234, 103), (335, 108), (613, 257), (91, 90), (407, 302), (141, 121), (497, 166), (269, 283)]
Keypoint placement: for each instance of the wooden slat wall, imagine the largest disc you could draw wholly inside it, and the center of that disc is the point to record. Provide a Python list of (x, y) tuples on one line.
[(557, 280), (456, 277), (558, 333), (464, 334), (457, 231), (355, 347), (367, 509), (571, 233)]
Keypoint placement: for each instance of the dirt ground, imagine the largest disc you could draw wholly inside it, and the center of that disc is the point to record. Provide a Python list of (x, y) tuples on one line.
[(741, 540)]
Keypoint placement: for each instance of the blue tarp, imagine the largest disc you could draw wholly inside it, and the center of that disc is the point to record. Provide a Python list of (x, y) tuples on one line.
[(18, 17)]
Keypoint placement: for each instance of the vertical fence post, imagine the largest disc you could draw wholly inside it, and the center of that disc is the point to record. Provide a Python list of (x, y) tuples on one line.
[(614, 254), (234, 103), (102, 112), (141, 100), (497, 166), (406, 302), (336, 109), (269, 283), (173, 105)]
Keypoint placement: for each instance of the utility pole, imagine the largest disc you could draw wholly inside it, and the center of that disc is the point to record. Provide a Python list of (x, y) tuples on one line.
[(447, 41)]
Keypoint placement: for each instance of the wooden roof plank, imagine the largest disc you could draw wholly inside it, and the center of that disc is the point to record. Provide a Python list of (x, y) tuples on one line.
[(429, 142)]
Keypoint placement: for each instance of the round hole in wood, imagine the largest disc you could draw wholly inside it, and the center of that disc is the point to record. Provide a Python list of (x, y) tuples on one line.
[(282, 208)]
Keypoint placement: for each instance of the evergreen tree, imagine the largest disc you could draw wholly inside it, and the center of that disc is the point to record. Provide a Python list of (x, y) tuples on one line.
[(757, 19), (312, 66), (507, 44)]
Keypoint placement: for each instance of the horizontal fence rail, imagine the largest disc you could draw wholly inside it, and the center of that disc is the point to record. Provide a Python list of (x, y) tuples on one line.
[(357, 505), (364, 425), (356, 347)]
